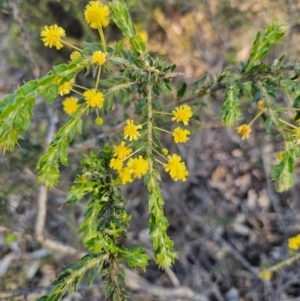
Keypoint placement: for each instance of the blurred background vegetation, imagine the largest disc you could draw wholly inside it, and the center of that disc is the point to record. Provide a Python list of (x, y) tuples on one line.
[(200, 37)]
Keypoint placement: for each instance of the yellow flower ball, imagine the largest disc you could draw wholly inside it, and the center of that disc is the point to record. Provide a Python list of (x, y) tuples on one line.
[(70, 105), (96, 14), (182, 114), (99, 121), (75, 55), (131, 130), (98, 58), (181, 135), (244, 131), (51, 36), (94, 98)]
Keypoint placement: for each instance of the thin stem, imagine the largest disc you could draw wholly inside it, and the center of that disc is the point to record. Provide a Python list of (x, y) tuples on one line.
[(78, 86), (102, 38), (159, 153), (98, 77), (287, 123), (161, 112), (284, 263), (72, 46), (76, 92), (255, 118), (163, 130), (150, 127), (288, 109), (132, 154), (159, 161)]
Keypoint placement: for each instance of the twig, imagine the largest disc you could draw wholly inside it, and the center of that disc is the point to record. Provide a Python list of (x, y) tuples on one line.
[(25, 39), (9, 295), (220, 86), (43, 192), (133, 281), (42, 211), (136, 283), (227, 246), (91, 142), (273, 196), (215, 25)]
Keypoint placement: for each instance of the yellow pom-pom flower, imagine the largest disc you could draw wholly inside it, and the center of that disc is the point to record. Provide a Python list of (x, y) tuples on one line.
[(121, 151), (266, 275), (98, 58), (116, 164), (65, 88), (99, 121), (96, 14), (280, 155), (51, 36), (261, 106), (131, 130), (75, 55), (182, 114), (176, 168), (181, 135), (70, 105), (138, 166), (294, 243), (165, 151), (94, 98), (125, 175), (244, 131)]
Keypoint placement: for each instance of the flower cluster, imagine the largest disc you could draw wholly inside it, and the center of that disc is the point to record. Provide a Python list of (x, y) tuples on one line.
[(135, 167), (176, 168)]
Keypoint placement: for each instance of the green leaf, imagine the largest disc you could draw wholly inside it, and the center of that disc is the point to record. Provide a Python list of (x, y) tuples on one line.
[(121, 17), (91, 276), (268, 125), (277, 170), (50, 94), (135, 257), (108, 289), (261, 47), (291, 163), (181, 91), (137, 44), (43, 298), (230, 111)]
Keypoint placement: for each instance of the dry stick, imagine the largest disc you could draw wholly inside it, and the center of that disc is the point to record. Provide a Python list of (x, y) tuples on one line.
[(43, 192), (215, 25), (133, 281), (91, 142), (9, 295), (34, 68), (273, 196), (42, 196), (226, 245), (137, 283)]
